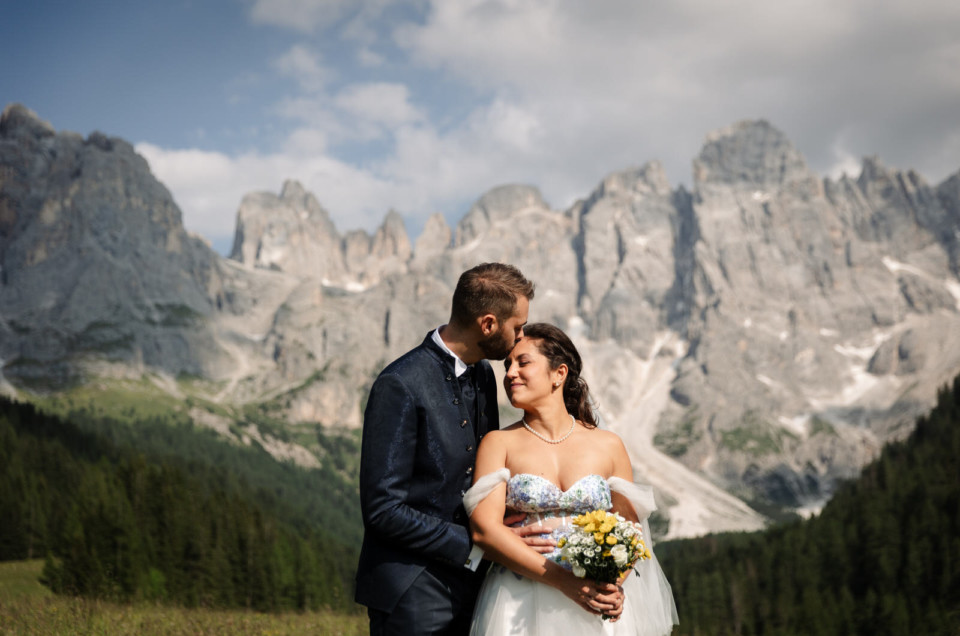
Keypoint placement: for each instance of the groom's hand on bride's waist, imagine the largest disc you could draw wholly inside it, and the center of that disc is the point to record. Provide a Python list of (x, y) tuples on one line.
[(532, 535)]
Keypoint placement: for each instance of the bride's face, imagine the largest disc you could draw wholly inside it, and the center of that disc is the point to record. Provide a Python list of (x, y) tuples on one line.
[(528, 376)]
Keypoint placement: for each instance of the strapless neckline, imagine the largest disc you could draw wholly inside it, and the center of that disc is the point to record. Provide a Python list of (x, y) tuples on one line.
[(531, 493), (555, 486)]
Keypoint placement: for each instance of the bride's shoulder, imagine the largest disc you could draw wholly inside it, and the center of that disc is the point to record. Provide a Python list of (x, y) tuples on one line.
[(497, 436), (501, 438), (516, 426), (606, 437)]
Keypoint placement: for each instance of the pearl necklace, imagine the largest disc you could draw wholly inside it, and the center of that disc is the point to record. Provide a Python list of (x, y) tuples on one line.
[(573, 425)]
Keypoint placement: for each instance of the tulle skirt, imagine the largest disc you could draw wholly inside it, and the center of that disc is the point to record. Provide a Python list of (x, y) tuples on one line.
[(512, 605)]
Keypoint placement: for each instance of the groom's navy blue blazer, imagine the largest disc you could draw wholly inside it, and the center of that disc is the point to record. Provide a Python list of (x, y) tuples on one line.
[(417, 457)]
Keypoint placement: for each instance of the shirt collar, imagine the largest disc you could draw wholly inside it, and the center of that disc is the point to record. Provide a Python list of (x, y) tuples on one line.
[(458, 365)]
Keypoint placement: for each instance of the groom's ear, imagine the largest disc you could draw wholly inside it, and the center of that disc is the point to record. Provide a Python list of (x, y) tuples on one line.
[(488, 324)]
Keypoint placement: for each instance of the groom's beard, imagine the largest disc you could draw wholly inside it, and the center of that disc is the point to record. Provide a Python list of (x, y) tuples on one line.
[(495, 347)]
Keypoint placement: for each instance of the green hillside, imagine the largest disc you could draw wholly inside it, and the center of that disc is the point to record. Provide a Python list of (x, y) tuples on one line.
[(883, 557), (164, 511)]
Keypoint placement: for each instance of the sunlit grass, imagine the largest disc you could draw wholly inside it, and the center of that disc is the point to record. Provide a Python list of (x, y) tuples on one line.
[(21, 579), (28, 608), (123, 400)]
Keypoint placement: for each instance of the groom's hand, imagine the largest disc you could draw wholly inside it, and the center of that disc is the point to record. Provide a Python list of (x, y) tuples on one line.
[(531, 534)]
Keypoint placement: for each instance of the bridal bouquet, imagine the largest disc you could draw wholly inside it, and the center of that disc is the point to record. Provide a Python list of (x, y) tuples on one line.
[(603, 546)]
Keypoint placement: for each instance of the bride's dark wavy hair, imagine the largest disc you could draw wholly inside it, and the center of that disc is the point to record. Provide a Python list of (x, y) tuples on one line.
[(558, 349)]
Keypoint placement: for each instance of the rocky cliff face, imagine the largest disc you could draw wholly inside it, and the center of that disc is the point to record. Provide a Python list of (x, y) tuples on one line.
[(802, 289), (96, 265), (755, 338)]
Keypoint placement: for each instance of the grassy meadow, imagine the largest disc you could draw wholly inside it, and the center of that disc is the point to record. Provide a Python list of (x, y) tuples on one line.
[(28, 608)]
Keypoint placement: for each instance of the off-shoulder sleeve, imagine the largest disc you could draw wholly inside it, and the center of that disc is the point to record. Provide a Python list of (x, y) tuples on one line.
[(483, 487), (648, 599), (640, 497)]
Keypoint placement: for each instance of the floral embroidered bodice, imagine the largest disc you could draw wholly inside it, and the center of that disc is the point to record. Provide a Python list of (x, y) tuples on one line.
[(535, 494), (545, 502)]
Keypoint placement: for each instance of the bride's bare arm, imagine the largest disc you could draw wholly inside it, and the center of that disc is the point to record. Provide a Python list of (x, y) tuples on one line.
[(502, 545)]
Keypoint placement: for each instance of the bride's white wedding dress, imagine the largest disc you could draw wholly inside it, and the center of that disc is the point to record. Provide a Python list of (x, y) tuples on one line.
[(511, 604)]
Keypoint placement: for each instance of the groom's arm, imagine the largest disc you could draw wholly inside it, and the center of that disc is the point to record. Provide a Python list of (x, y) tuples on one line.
[(387, 463)]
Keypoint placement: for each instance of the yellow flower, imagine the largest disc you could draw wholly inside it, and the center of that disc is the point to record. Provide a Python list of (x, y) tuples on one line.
[(611, 540), (562, 542), (590, 527), (598, 537)]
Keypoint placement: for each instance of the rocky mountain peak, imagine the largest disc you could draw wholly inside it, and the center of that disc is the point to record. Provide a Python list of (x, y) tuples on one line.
[(752, 155), (872, 169), (293, 191), (433, 240), (650, 178), (391, 238), (18, 120), (949, 193), (497, 204), (388, 252), (291, 232)]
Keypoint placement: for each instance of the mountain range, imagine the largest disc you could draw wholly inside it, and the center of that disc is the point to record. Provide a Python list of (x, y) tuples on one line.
[(754, 339)]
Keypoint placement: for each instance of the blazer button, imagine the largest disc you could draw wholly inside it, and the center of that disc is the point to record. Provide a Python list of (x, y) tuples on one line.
[(448, 378), (470, 470), (463, 423), (469, 447), (456, 400)]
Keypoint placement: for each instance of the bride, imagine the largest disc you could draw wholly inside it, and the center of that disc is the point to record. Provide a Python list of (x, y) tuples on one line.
[(553, 465)]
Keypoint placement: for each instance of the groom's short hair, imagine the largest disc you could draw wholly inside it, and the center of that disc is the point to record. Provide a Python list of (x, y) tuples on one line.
[(489, 288)]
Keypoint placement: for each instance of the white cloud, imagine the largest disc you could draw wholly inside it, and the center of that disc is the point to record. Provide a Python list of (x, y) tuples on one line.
[(304, 66), (305, 142), (314, 111), (354, 19), (359, 112), (630, 82), (510, 125), (379, 103), (845, 164), (370, 58), (299, 15)]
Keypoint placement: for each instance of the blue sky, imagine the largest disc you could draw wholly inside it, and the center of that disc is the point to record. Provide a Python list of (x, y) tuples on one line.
[(421, 106)]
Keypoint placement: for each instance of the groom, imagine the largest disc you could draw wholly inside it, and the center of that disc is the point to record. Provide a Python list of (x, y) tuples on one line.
[(424, 419)]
